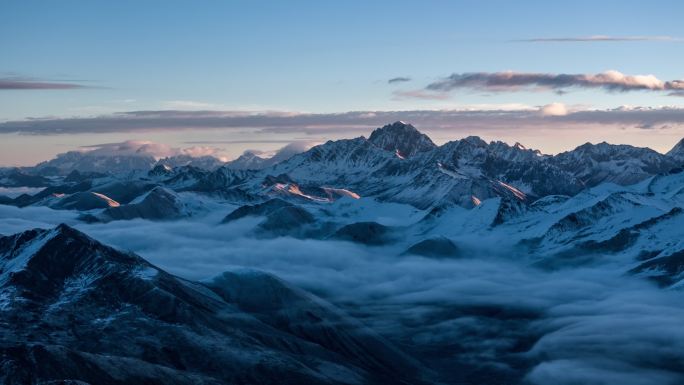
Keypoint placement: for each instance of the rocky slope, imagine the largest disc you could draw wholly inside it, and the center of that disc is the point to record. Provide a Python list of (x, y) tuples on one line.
[(72, 309)]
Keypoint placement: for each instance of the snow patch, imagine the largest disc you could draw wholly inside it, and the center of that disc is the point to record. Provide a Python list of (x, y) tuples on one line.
[(146, 273), (453, 174), (341, 191), (518, 194), (110, 202), (293, 189)]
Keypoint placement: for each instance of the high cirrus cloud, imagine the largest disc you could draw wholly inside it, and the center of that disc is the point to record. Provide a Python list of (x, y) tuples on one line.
[(508, 81), (20, 83), (399, 79), (598, 38)]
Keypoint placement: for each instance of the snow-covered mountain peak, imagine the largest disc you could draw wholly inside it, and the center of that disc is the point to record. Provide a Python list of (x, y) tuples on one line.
[(606, 149), (45, 260), (618, 163), (516, 152), (249, 160), (40, 259), (92, 161), (475, 141), (254, 160), (207, 162), (396, 163), (160, 170), (401, 138), (677, 151)]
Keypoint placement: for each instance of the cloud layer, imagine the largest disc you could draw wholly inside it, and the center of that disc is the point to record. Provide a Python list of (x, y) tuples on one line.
[(554, 109), (160, 150), (613, 81), (488, 311), (348, 123), (148, 148)]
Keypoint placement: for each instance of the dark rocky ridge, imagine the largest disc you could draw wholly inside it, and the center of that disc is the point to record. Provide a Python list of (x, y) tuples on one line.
[(438, 247), (367, 233), (75, 310)]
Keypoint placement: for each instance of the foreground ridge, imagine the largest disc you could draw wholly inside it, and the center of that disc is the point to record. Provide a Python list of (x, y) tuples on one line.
[(109, 317)]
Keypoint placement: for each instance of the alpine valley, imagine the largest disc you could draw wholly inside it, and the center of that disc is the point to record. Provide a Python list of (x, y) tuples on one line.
[(379, 260)]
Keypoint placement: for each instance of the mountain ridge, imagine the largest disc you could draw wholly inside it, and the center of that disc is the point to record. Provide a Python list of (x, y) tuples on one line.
[(89, 296), (398, 163)]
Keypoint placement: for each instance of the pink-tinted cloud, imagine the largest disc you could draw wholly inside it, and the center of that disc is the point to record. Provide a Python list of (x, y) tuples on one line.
[(148, 148), (554, 109)]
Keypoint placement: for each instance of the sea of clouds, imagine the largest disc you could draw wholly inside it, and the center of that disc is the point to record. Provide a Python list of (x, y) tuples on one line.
[(489, 315)]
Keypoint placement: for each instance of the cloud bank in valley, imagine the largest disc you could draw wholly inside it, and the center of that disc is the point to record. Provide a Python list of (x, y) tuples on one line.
[(587, 325)]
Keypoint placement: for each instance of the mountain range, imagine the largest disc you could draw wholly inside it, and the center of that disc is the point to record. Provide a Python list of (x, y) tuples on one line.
[(396, 163), (68, 300)]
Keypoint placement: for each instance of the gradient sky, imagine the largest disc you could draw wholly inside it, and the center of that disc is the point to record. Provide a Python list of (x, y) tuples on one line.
[(90, 59)]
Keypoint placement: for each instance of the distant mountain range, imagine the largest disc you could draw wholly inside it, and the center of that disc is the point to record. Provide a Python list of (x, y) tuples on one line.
[(112, 162), (68, 301), (396, 163)]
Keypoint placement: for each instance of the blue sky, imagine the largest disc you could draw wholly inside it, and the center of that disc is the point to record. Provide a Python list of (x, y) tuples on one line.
[(322, 57)]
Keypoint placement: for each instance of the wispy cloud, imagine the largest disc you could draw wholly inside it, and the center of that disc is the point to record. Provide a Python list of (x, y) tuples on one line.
[(420, 94), (22, 83), (348, 123), (510, 81), (244, 141), (598, 38), (190, 105), (400, 79), (148, 148)]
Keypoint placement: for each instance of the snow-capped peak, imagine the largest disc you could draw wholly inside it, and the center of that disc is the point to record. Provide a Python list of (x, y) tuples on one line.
[(401, 138), (677, 151)]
